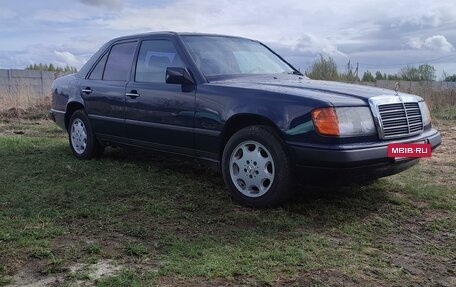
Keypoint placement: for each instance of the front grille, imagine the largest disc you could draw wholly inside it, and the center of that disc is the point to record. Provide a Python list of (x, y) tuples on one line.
[(400, 119)]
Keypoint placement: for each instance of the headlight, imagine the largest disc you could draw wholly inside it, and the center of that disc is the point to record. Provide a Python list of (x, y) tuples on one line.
[(344, 121), (355, 121), (425, 114)]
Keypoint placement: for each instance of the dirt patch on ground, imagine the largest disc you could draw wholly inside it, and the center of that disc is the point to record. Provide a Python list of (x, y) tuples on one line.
[(29, 277), (421, 267), (91, 264)]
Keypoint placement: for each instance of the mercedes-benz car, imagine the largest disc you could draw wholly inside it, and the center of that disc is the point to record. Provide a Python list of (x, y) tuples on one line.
[(236, 103)]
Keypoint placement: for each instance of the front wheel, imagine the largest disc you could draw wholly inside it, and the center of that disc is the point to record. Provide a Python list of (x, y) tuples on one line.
[(257, 168), (83, 142)]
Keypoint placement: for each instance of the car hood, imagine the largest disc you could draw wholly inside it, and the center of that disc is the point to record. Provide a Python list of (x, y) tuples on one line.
[(336, 93)]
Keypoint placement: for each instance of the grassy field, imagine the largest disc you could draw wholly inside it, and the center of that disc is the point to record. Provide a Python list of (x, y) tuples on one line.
[(137, 219)]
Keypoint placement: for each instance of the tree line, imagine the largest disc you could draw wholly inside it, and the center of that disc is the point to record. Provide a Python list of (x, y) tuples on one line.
[(51, 68), (325, 68)]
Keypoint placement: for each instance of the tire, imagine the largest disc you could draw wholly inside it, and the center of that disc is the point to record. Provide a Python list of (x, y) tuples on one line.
[(82, 140), (257, 168)]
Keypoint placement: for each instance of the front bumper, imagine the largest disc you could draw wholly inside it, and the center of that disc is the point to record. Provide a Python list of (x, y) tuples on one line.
[(351, 161)]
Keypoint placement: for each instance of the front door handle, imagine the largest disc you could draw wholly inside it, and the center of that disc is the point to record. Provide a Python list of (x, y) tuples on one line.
[(87, 90), (132, 94)]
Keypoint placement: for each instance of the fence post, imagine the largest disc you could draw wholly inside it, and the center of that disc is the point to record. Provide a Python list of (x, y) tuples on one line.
[(42, 84), (9, 83)]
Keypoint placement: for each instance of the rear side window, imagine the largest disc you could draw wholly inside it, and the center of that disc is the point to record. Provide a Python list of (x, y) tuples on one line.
[(119, 62), (97, 72), (153, 59)]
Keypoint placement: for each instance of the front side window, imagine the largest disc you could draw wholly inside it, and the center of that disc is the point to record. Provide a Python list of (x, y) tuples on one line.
[(218, 55), (119, 62), (153, 59)]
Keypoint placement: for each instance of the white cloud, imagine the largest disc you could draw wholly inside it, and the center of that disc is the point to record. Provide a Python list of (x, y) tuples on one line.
[(438, 43), (415, 43), (309, 44), (67, 58), (45, 54), (424, 19), (267, 21), (435, 43), (412, 15), (299, 30)]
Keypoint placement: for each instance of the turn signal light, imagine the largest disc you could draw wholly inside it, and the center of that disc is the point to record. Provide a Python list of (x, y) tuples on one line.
[(326, 122)]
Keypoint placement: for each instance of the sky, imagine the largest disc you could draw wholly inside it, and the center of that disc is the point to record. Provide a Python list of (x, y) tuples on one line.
[(379, 35)]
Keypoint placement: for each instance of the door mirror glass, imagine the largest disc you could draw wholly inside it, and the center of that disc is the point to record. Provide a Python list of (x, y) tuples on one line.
[(178, 75)]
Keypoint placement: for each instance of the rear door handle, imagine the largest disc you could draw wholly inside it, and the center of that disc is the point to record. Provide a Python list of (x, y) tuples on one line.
[(132, 94), (87, 90)]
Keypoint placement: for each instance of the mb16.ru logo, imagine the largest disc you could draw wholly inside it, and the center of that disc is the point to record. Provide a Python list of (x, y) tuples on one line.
[(409, 150)]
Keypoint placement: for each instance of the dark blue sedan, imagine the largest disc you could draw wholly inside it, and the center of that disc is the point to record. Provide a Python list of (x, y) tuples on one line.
[(234, 102)]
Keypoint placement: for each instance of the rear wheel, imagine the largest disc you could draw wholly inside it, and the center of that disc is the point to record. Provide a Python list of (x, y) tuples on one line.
[(256, 167), (83, 142)]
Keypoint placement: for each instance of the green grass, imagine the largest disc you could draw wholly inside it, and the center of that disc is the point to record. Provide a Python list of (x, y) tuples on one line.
[(93, 248), (135, 249), (127, 278), (170, 222), (447, 112)]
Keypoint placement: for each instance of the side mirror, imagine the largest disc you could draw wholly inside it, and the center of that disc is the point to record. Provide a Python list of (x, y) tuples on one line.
[(178, 75)]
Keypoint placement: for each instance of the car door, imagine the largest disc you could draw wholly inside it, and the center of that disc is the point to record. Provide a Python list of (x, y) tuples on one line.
[(159, 115), (103, 91)]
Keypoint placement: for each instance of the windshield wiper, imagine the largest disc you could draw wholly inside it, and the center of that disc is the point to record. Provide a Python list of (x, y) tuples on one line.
[(295, 73)]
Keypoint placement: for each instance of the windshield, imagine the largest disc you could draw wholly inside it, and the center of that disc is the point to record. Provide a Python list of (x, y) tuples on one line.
[(218, 55)]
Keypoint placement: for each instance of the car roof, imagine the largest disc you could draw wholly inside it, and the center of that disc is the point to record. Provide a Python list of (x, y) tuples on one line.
[(142, 35)]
